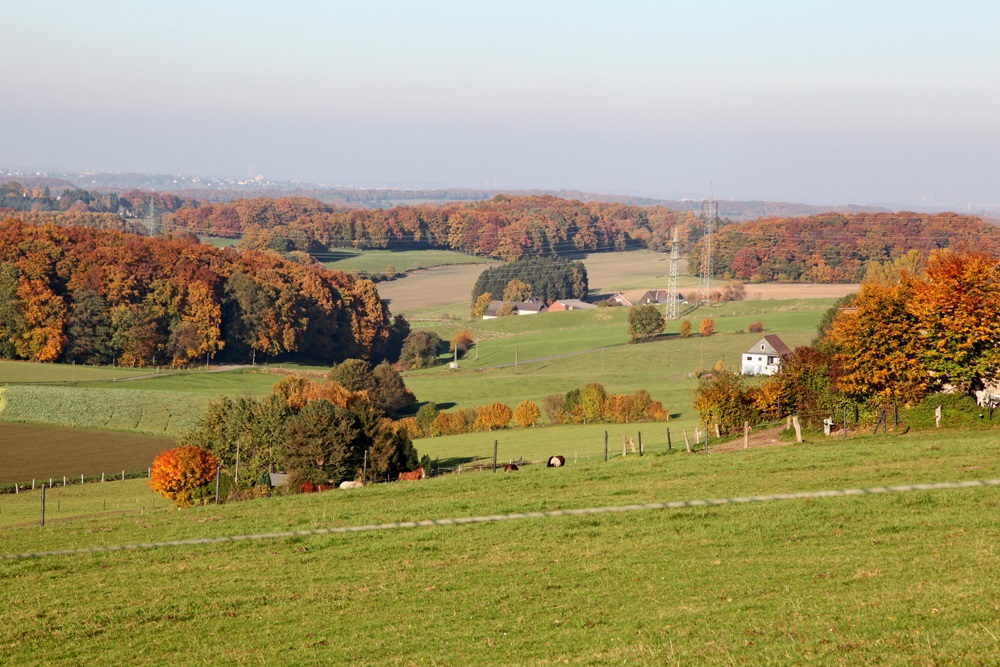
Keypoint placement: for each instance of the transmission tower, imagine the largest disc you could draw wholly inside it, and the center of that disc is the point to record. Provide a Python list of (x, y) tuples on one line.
[(710, 216), (673, 295)]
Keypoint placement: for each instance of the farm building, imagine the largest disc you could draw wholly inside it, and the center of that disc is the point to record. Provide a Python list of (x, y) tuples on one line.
[(529, 307), (569, 304), (764, 357), (654, 297)]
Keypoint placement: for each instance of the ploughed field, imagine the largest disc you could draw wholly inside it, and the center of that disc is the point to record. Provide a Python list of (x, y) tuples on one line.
[(887, 578)]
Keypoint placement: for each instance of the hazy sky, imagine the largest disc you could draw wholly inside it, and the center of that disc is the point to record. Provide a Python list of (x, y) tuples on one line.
[(832, 102)]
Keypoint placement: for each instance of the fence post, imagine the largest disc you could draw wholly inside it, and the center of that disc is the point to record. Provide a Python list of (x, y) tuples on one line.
[(364, 469), (43, 503), (123, 475), (64, 480), (102, 476), (746, 434), (218, 470), (687, 443), (845, 422), (640, 443), (798, 428), (895, 416), (81, 478), (32, 485), (669, 444), (605, 446), (495, 455)]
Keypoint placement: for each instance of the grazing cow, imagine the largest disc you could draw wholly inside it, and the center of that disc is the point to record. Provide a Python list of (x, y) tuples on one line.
[(411, 476), (510, 467), (356, 484), (556, 462)]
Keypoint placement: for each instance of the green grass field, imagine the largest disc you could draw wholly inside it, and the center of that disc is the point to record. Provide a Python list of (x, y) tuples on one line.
[(662, 367), (218, 241), (876, 579), (376, 261), (32, 372)]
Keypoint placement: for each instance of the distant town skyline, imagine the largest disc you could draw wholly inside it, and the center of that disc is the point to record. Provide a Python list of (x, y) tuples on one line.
[(853, 102)]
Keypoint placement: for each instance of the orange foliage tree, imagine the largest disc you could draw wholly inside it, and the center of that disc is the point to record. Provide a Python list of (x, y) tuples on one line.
[(178, 473), (527, 413), (494, 415)]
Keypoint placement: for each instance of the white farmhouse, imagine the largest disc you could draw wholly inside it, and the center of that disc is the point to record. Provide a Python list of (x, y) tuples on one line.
[(764, 358)]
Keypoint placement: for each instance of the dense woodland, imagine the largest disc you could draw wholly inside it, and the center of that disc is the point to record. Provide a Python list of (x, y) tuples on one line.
[(838, 248), (541, 278), (95, 296), (504, 227)]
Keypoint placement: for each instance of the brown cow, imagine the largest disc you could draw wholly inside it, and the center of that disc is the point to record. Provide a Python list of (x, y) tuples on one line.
[(555, 462), (411, 476), (510, 467)]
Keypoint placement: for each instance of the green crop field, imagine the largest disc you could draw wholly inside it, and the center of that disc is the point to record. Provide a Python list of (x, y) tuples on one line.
[(872, 579), (31, 451), (376, 261), (219, 241)]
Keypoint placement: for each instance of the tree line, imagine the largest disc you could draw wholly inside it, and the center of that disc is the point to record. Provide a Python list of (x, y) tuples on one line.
[(506, 227), (836, 247), (913, 329), (82, 295)]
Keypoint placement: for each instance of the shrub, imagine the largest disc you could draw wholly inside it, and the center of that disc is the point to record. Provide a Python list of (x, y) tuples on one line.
[(592, 398), (553, 406), (685, 328), (425, 417), (724, 398), (462, 341), (756, 327), (177, 474), (420, 350), (707, 327), (527, 413), (449, 423)]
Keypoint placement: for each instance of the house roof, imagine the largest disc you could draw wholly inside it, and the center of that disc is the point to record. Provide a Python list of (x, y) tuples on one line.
[(770, 344), (529, 306), (574, 303)]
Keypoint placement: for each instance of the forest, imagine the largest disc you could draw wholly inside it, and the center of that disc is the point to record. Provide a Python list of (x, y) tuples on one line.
[(505, 227), (836, 247), (91, 296)]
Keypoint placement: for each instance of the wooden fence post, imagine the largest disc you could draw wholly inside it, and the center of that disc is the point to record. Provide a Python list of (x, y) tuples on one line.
[(640, 443), (746, 434), (798, 428), (605, 446), (669, 444), (687, 443), (495, 443)]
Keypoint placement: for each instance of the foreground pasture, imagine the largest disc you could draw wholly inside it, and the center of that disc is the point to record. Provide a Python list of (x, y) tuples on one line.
[(873, 579)]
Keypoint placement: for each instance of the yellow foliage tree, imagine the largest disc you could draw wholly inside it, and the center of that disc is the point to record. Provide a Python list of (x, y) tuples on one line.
[(527, 414)]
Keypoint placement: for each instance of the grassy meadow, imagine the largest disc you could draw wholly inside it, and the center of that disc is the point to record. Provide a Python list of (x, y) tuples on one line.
[(886, 579), (32, 372), (376, 261)]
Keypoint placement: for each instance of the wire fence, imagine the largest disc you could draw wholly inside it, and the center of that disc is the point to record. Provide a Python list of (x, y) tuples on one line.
[(70, 480)]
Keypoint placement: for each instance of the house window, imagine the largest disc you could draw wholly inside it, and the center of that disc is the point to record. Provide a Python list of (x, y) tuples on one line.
[(749, 358), (761, 347)]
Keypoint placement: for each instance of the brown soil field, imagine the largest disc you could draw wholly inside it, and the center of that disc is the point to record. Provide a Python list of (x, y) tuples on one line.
[(775, 291), (440, 286), (30, 451)]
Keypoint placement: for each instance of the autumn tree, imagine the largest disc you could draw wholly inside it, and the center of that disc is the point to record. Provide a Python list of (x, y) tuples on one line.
[(179, 473), (492, 416), (592, 399), (685, 329), (957, 306), (645, 323), (875, 345), (517, 290), (707, 326), (462, 341), (724, 398), (480, 305), (554, 406), (527, 414)]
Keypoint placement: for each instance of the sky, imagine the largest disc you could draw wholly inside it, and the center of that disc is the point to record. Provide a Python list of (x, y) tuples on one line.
[(825, 103)]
